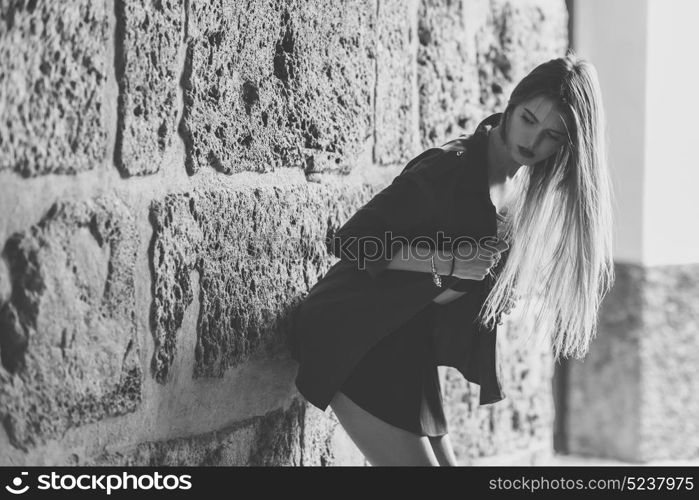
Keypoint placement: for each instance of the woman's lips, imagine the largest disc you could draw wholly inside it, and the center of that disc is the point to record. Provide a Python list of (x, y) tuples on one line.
[(525, 152)]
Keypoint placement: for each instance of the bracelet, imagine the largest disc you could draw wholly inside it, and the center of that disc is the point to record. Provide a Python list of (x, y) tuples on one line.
[(453, 260), (435, 277)]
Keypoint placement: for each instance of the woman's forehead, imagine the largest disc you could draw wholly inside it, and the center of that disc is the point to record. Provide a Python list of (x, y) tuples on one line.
[(547, 112)]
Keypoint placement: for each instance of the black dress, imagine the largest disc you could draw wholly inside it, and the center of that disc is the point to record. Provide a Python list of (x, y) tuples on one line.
[(375, 334), (397, 380)]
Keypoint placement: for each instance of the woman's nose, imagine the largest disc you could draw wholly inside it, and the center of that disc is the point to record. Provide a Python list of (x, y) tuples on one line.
[(533, 142)]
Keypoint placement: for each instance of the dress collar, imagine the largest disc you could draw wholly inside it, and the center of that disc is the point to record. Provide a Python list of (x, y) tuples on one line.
[(488, 123), (475, 171), (479, 158)]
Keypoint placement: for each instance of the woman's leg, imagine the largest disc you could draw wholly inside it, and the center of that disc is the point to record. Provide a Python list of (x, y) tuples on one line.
[(441, 445), (381, 443)]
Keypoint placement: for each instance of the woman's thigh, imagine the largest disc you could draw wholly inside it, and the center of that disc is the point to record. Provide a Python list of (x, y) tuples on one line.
[(443, 450), (381, 443)]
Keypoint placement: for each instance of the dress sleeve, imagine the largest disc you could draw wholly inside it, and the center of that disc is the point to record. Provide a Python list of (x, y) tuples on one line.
[(464, 285), (365, 239)]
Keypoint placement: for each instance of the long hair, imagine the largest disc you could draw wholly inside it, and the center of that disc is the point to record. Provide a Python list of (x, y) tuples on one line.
[(559, 219)]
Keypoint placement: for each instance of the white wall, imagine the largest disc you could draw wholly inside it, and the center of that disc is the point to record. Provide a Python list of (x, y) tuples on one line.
[(644, 51), (671, 194), (612, 35)]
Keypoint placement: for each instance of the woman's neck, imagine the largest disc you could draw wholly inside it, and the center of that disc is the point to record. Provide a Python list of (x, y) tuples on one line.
[(501, 166)]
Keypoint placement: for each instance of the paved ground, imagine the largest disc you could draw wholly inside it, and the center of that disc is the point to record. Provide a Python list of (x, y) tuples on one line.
[(567, 460), (541, 458)]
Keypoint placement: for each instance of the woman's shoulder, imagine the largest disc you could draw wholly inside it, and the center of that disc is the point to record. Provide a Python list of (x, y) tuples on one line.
[(448, 163), (460, 145)]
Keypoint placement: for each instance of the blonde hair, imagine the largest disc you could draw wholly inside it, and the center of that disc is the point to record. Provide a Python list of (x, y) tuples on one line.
[(559, 221)]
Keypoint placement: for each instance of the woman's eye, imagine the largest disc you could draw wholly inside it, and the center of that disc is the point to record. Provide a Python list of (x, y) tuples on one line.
[(526, 119)]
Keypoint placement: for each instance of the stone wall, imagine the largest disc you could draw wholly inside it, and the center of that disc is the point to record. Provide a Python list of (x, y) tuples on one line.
[(633, 398), (168, 173)]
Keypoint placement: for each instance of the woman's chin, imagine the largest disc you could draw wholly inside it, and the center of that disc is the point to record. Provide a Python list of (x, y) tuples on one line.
[(519, 159)]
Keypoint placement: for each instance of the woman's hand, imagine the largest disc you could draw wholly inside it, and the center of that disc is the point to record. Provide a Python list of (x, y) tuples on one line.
[(447, 296), (475, 265)]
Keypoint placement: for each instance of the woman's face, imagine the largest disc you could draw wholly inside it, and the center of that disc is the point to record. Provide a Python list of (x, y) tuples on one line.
[(536, 130)]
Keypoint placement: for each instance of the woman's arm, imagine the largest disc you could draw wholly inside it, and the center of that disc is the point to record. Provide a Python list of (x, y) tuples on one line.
[(367, 238), (418, 259)]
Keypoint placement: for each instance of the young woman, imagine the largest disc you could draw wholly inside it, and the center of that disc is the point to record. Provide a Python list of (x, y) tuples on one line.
[(421, 282)]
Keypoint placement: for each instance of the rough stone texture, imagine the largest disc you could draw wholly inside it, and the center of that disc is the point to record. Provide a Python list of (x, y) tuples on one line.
[(395, 131), (634, 396), (473, 52), (52, 56), (669, 353), (298, 436), (334, 78), (70, 353), (523, 34), (149, 37), (280, 84), (603, 389), (447, 72), (522, 423), (267, 84), (256, 251), (5, 286)]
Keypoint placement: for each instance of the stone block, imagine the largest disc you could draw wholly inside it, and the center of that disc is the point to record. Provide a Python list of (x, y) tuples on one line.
[(298, 436), (594, 426), (395, 134), (517, 37), (288, 84), (633, 397), (149, 38), (257, 250), (519, 425), (52, 56), (669, 423), (334, 63), (70, 353), (473, 52), (447, 68)]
